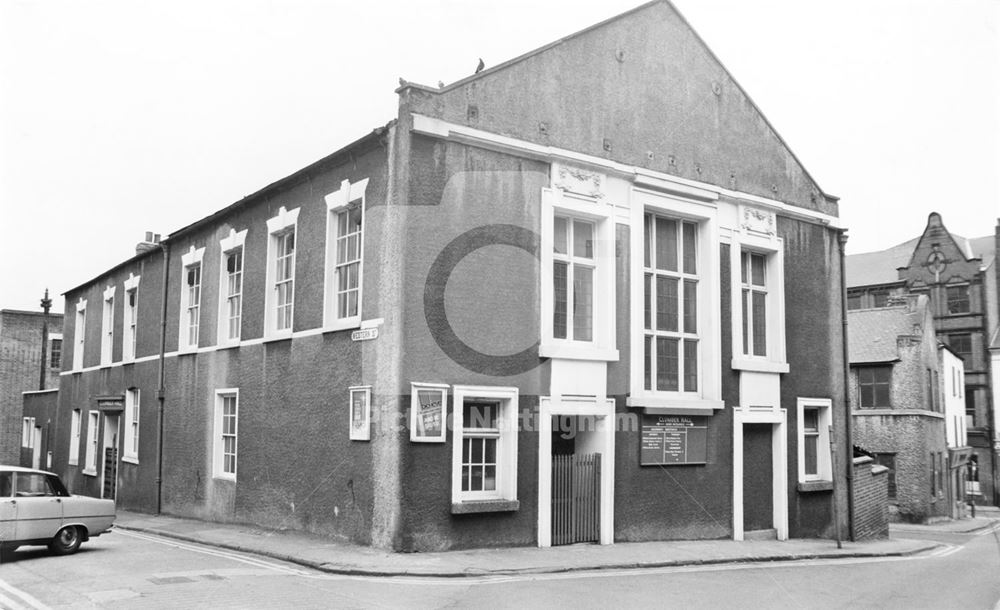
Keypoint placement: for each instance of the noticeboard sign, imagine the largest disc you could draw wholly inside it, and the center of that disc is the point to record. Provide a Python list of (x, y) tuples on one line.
[(673, 439)]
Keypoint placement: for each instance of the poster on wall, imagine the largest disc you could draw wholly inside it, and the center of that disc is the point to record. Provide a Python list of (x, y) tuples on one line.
[(361, 413), (428, 412), (673, 440)]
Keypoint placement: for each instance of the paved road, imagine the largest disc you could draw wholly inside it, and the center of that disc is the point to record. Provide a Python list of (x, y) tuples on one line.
[(131, 570)]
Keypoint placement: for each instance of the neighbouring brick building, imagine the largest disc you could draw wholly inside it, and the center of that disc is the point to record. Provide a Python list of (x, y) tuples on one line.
[(22, 343), (531, 276), (898, 414), (961, 278)]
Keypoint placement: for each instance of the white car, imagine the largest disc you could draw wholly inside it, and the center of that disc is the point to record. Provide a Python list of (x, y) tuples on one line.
[(36, 509)]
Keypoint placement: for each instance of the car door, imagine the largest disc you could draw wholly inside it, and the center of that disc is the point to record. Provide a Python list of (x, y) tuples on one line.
[(39, 508), (8, 507)]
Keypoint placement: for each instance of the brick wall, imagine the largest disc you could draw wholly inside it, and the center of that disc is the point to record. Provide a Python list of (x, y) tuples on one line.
[(871, 500), (20, 362)]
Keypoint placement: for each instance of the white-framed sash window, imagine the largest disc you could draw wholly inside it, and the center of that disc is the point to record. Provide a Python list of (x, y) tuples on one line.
[(231, 288), (190, 312), (814, 457), (345, 232), (226, 433), (131, 448), (79, 334), (108, 326), (279, 300), (484, 444), (131, 323)]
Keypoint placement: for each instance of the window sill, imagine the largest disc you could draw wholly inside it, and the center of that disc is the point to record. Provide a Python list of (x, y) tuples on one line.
[(345, 324), (89, 472), (130, 459), (577, 352), (814, 486), (278, 336), (484, 506), (229, 478), (184, 351), (73, 463), (657, 405), (227, 344), (759, 366)]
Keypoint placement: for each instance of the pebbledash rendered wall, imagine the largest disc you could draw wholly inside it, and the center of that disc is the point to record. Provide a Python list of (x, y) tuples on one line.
[(296, 469), (586, 94), (453, 282)]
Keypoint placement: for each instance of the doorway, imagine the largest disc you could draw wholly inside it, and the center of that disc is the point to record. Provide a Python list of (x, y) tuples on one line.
[(576, 480), (575, 470), (109, 472), (758, 480)]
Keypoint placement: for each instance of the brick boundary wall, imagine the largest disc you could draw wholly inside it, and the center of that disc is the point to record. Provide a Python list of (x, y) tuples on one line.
[(871, 500)]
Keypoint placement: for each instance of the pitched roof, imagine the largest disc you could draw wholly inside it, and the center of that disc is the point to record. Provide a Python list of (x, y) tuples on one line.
[(872, 268), (872, 333)]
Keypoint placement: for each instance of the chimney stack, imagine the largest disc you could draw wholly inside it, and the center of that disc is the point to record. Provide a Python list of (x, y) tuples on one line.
[(151, 242)]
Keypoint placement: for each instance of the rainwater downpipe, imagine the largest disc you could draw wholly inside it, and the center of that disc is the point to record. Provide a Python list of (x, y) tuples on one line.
[(848, 419), (161, 392)]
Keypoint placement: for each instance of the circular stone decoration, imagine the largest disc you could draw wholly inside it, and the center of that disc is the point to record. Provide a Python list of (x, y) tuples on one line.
[(434, 299)]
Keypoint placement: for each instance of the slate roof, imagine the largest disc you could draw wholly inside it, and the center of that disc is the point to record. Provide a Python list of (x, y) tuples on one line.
[(873, 268), (871, 333)]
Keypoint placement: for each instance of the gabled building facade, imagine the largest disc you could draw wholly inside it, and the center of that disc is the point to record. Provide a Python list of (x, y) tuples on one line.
[(960, 278), (530, 277)]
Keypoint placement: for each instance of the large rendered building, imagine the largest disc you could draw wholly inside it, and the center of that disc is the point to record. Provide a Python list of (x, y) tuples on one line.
[(588, 294)]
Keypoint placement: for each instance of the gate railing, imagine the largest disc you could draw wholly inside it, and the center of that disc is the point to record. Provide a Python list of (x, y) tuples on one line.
[(576, 498)]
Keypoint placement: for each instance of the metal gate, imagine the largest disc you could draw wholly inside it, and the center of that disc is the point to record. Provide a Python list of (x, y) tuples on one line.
[(110, 472), (576, 498)]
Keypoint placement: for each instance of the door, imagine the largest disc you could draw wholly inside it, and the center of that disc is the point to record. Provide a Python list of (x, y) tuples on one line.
[(758, 478), (576, 498), (39, 508)]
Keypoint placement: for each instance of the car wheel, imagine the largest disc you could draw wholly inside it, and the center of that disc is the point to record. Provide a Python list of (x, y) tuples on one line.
[(67, 541)]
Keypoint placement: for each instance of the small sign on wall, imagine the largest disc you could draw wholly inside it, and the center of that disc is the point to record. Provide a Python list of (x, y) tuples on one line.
[(365, 334), (361, 413), (673, 439), (428, 412)]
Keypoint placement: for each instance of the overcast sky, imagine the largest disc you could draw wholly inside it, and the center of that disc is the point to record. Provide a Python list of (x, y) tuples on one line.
[(118, 117)]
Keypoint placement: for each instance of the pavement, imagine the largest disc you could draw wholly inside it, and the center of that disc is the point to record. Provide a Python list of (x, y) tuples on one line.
[(338, 557)]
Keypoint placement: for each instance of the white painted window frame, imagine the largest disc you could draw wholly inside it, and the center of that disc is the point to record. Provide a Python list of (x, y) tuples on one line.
[(218, 446), (130, 451), (108, 326), (79, 334), (130, 323), (284, 222), (193, 258), (772, 247), (708, 398), (337, 202), (93, 427), (236, 240), (824, 459), (507, 424), (74, 437), (602, 347)]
